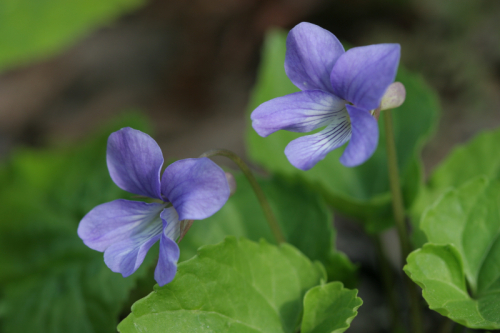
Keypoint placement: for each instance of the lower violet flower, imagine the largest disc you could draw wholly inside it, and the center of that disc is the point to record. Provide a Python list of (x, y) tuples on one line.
[(190, 189), (341, 91)]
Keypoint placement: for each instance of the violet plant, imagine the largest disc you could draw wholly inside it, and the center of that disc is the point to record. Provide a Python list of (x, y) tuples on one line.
[(263, 260), (340, 90), (190, 189), (343, 91)]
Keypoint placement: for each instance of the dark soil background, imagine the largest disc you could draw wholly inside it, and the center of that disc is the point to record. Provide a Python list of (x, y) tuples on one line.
[(190, 66)]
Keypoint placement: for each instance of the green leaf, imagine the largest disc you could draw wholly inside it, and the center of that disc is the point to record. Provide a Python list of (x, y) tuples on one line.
[(33, 29), (465, 162), (301, 213), (361, 192), (458, 269), (468, 161), (72, 292), (234, 286), (47, 274), (329, 308)]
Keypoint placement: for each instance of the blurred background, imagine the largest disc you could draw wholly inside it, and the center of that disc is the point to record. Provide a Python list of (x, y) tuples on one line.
[(190, 67)]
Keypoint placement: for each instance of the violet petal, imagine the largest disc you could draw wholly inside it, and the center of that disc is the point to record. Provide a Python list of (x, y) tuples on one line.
[(126, 256), (311, 52), (362, 74), (116, 221), (306, 151), (364, 138), (171, 223), (196, 187), (134, 162), (169, 250), (302, 111)]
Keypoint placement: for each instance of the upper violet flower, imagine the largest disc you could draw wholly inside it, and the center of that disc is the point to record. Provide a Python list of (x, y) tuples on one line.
[(340, 90), (190, 189)]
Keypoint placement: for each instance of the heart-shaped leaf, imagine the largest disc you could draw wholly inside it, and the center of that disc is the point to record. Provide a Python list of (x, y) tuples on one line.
[(233, 286), (459, 269), (465, 162), (302, 214)]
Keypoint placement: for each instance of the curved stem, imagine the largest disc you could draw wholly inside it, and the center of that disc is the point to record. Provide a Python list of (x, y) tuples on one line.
[(399, 217), (271, 219)]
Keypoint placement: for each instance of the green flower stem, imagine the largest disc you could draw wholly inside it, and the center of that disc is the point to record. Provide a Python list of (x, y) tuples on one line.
[(399, 217), (271, 219), (388, 280)]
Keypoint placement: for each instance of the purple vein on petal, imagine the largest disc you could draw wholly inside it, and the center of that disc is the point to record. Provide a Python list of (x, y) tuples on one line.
[(364, 139), (308, 150), (116, 221), (302, 111)]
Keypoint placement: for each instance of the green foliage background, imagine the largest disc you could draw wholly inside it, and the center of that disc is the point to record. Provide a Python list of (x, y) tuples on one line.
[(47, 274), (51, 282), (34, 29)]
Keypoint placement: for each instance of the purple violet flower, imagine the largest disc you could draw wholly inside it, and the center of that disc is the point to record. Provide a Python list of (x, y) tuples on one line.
[(340, 90), (190, 189)]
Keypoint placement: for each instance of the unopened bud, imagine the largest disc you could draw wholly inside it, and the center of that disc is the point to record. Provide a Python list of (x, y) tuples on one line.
[(394, 96), (232, 182)]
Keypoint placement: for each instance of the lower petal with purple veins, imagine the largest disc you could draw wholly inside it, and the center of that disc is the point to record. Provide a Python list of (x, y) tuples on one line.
[(169, 250), (302, 111), (117, 221), (364, 139), (306, 151)]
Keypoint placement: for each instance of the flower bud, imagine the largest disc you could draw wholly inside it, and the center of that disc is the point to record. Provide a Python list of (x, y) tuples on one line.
[(394, 96)]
